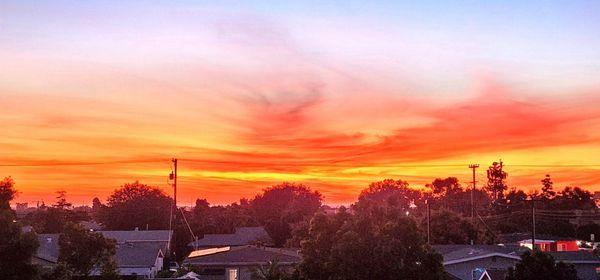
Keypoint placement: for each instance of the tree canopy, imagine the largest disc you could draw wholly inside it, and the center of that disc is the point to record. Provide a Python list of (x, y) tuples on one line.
[(541, 266), (380, 243), (83, 251), (136, 205), (281, 206), (17, 247)]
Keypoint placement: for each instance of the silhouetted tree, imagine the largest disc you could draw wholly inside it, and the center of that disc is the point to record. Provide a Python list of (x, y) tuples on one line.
[(447, 187), (547, 188), (573, 199), (584, 232), (378, 242), (220, 219), (61, 201), (136, 205), (448, 227), (281, 206), (541, 266), (389, 192), (53, 219), (555, 227), (82, 251), (16, 247), (7, 193), (496, 184)]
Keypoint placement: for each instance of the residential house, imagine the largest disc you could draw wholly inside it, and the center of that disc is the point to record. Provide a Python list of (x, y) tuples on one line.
[(556, 245), (466, 261), (138, 253), (241, 236), (585, 262), (491, 262), (238, 263)]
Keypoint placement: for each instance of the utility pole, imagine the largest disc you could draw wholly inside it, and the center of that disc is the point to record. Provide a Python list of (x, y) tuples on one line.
[(473, 167), (532, 224), (174, 178)]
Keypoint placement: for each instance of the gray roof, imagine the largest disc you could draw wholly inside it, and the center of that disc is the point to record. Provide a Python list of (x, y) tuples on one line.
[(137, 235), (48, 249), (137, 254), (453, 253), (242, 236), (134, 249), (576, 257), (247, 255)]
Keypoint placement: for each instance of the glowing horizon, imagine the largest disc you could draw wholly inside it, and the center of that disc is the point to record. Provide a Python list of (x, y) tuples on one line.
[(334, 96)]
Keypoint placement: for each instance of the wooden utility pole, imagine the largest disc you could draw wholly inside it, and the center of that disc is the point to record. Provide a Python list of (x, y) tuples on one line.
[(473, 167), (174, 175)]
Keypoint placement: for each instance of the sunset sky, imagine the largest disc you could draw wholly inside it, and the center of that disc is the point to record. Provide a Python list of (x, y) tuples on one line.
[(333, 94)]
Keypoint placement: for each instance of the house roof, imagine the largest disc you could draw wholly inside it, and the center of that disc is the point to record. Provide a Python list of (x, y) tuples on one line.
[(461, 253), (137, 235), (246, 255), (48, 249), (577, 257), (242, 236), (129, 253), (138, 254), (514, 238)]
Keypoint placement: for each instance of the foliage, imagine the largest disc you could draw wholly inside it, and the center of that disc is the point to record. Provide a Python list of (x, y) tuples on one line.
[(547, 188), (7, 193), (496, 184), (393, 193), (17, 249), (136, 205), (281, 206), (584, 232), (448, 227), (555, 227), (448, 194), (61, 200), (445, 187), (82, 251), (541, 266), (220, 219), (53, 219), (377, 243), (573, 199), (273, 271)]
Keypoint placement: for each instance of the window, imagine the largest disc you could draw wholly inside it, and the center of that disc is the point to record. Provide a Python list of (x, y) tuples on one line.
[(232, 274)]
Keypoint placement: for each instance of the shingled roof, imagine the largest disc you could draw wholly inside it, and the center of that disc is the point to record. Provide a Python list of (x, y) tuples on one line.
[(460, 253), (137, 235), (48, 249), (242, 236), (245, 255), (576, 257), (137, 254), (134, 248)]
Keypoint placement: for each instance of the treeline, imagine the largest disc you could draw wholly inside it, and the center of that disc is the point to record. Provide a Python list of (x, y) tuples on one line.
[(81, 252), (388, 221), (285, 210)]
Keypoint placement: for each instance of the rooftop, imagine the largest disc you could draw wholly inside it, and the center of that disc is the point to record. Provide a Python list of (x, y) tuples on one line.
[(242, 236), (245, 255)]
